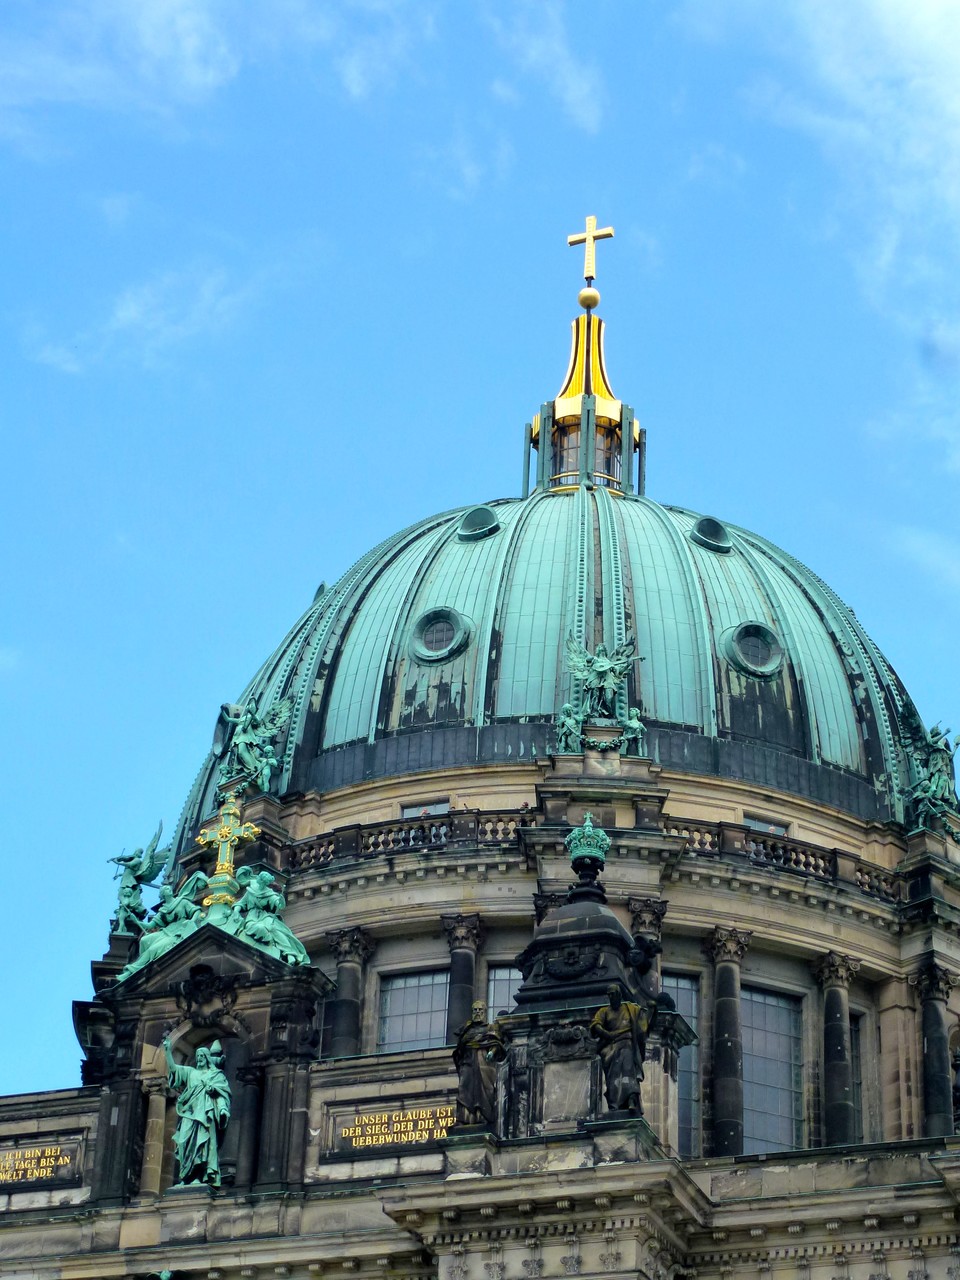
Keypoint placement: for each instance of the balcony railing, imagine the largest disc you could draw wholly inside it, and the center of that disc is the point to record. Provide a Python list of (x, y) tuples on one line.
[(472, 829), (429, 833)]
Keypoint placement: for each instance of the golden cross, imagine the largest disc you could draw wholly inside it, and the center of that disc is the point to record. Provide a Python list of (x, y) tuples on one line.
[(589, 240), (228, 835)]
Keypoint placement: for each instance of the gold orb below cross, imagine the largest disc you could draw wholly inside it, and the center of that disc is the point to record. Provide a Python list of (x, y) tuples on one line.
[(589, 298)]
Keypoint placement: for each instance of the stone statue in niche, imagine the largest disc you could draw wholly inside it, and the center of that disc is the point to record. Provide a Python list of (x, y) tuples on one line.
[(203, 1109), (480, 1048), (620, 1029), (601, 673)]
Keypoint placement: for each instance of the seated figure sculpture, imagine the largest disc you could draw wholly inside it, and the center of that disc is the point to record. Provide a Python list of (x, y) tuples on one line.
[(257, 917)]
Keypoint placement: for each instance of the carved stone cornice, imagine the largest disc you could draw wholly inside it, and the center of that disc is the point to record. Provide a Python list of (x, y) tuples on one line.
[(933, 981), (646, 916), (835, 970), (463, 932), (351, 945), (727, 944)]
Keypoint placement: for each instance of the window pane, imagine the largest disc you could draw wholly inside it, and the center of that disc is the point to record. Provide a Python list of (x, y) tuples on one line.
[(685, 992), (772, 1071), (413, 1011), (503, 982)]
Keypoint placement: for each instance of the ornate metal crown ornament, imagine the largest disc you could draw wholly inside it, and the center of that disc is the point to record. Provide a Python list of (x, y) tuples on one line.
[(587, 841)]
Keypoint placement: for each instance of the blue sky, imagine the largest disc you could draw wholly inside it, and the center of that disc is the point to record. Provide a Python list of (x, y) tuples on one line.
[(282, 278)]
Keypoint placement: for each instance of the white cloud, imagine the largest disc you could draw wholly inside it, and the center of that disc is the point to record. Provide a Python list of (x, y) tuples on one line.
[(535, 36), (464, 164), (876, 85), (146, 321), (159, 56)]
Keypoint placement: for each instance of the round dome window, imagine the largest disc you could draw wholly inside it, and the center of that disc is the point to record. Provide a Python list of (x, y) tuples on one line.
[(754, 648), (439, 634), (712, 534), (478, 522)]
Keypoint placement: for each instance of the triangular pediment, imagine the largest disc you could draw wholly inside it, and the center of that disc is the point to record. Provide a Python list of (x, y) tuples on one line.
[(222, 953)]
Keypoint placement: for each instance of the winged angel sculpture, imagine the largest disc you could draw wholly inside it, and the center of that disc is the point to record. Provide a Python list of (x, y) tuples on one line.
[(602, 674), (245, 739), (933, 796), (142, 867)]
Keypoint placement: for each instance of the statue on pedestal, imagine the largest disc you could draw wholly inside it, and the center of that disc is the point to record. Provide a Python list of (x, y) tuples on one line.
[(245, 739), (632, 731), (479, 1049), (136, 870), (602, 674), (569, 731), (203, 1109), (620, 1029), (934, 794)]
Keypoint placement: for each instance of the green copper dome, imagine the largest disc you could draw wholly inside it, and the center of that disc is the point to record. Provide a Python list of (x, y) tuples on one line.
[(444, 646)]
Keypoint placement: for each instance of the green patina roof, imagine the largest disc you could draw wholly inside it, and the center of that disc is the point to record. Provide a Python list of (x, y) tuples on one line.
[(602, 567)]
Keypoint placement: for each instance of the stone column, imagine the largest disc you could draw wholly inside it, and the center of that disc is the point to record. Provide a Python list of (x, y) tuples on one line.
[(834, 972), (246, 1115), (726, 948), (464, 935), (152, 1163), (646, 925), (351, 948), (934, 984)]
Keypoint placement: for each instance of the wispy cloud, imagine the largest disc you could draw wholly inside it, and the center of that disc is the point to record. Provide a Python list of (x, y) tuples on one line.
[(936, 554), (145, 322), (875, 84), (715, 164), (10, 658), (465, 163), (535, 37), (159, 56)]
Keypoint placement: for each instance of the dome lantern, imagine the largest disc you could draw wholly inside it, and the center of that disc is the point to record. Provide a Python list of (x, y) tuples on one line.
[(586, 436)]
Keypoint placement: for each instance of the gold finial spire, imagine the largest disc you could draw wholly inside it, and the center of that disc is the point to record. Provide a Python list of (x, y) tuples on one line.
[(589, 240)]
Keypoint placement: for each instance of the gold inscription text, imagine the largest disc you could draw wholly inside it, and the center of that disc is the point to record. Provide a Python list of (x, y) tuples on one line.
[(385, 1128)]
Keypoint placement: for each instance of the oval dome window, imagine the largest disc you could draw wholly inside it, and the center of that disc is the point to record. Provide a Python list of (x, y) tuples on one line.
[(753, 648), (439, 634), (478, 522), (712, 534)]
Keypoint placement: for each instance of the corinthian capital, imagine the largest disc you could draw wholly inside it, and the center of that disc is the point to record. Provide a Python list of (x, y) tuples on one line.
[(835, 970), (646, 916), (463, 932), (727, 944), (933, 981), (351, 944)]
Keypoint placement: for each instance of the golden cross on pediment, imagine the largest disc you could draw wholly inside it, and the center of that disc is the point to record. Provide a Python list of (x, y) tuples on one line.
[(230, 832), (589, 240)]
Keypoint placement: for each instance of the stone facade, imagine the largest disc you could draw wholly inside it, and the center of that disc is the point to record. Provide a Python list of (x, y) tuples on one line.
[(348, 1163)]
